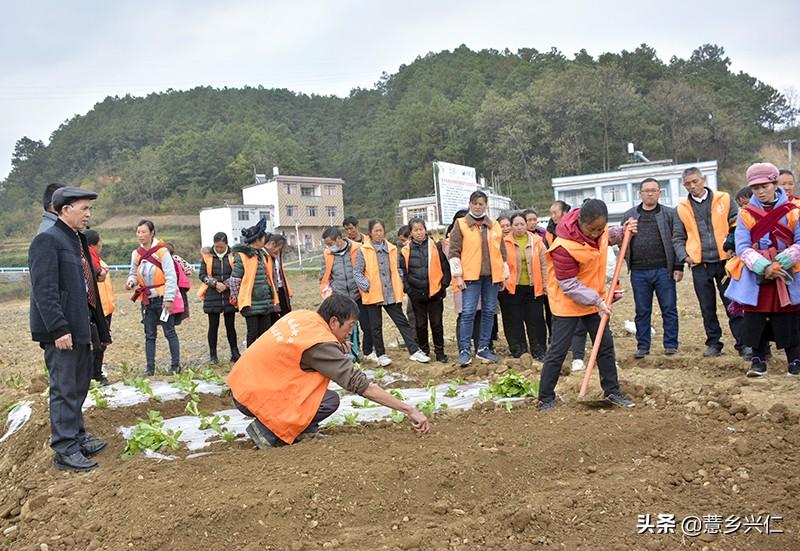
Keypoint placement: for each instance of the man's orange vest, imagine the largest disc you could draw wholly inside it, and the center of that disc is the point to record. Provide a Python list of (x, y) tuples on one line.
[(269, 382), (373, 274), (514, 255), (472, 251), (107, 298), (328, 256), (159, 279), (591, 272), (271, 266), (250, 264), (434, 266), (208, 260), (720, 207)]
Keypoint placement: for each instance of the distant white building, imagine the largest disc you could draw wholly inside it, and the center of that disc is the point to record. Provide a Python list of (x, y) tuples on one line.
[(231, 219), (427, 209), (620, 189)]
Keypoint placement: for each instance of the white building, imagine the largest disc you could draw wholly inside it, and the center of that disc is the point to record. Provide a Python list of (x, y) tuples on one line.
[(620, 189), (427, 209), (231, 219)]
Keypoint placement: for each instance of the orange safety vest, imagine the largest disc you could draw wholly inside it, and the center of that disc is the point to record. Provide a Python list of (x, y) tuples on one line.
[(514, 256), (435, 275), (720, 207), (159, 279), (735, 265), (271, 268), (269, 382), (373, 274), (328, 256), (107, 298), (550, 237), (209, 262), (472, 251), (591, 272), (250, 264)]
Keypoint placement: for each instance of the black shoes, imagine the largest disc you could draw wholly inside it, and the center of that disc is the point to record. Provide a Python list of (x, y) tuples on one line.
[(640, 353), (441, 357), (91, 445), (213, 359), (670, 351), (149, 372), (746, 352), (712, 351), (258, 439), (758, 368), (174, 369), (75, 462), (549, 404), (619, 400), (794, 368)]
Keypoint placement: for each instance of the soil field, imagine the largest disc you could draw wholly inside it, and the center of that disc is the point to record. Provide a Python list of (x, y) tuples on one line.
[(703, 440)]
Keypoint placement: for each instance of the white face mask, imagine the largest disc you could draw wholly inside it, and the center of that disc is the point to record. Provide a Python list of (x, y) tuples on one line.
[(477, 216)]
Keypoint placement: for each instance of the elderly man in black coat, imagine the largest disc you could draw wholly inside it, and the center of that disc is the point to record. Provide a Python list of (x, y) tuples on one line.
[(67, 321)]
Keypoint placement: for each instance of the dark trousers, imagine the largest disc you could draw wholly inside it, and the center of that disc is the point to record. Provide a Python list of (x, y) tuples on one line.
[(548, 317), (578, 342), (511, 331), (705, 277), (69, 371), (363, 321), (99, 354), (329, 405), (426, 311), (283, 301), (230, 332), (527, 315), (395, 312), (563, 330), (150, 317), (256, 326), (782, 328), (645, 283)]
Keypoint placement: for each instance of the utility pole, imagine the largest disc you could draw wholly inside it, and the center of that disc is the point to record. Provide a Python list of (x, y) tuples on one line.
[(789, 149)]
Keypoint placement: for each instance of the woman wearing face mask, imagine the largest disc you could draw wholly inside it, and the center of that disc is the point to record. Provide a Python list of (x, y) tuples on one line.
[(576, 287), (427, 275), (377, 274), (764, 274), (526, 262), (216, 268)]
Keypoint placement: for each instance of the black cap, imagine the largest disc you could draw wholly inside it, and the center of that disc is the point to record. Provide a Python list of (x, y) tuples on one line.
[(66, 195)]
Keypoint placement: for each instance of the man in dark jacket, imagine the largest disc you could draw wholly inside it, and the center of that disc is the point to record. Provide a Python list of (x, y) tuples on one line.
[(651, 261), (49, 216), (67, 321)]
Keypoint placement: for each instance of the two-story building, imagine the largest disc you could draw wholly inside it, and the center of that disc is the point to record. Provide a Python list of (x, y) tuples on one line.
[(232, 219), (303, 205), (620, 189)]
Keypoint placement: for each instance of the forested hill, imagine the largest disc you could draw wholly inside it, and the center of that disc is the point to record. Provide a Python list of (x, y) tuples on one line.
[(522, 116)]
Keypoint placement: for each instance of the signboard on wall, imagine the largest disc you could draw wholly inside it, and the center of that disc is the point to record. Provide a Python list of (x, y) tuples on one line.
[(453, 185)]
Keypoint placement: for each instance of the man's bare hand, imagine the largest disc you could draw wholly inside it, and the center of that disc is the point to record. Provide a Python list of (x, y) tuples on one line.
[(418, 421), (65, 342)]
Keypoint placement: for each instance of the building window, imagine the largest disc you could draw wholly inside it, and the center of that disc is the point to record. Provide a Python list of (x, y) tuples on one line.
[(309, 191), (418, 212), (291, 210), (288, 189), (666, 192), (311, 211), (330, 189), (244, 215), (265, 214), (308, 241), (292, 240), (617, 193), (575, 197), (331, 211)]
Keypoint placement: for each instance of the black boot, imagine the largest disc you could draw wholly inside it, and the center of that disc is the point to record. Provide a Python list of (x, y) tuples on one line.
[(213, 356), (235, 355)]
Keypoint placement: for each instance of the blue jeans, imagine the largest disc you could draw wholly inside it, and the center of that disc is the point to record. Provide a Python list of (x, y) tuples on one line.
[(485, 291), (660, 282)]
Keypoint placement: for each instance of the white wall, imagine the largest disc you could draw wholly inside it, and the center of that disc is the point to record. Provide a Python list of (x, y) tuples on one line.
[(213, 221), (264, 194)]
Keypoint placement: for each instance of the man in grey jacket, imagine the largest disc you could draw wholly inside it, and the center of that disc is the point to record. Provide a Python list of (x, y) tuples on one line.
[(49, 216), (651, 261)]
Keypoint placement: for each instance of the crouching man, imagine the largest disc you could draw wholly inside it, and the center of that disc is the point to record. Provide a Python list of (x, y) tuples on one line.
[(282, 378)]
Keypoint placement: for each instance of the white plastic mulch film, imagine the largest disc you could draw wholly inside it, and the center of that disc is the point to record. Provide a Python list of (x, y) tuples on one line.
[(18, 415)]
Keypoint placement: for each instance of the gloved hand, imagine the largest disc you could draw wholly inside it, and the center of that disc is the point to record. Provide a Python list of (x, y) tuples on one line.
[(784, 260), (760, 265)]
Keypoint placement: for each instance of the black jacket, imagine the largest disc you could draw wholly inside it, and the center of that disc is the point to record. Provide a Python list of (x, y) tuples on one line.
[(666, 221), (416, 271), (59, 304), (214, 302)]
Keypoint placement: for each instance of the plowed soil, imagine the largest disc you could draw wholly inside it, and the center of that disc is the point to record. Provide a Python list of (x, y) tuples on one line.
[(702, 440)]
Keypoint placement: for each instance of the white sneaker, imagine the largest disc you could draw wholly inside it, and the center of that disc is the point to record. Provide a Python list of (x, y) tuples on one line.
[(420, 356), (577, 365), (373, 357), (384, 361)]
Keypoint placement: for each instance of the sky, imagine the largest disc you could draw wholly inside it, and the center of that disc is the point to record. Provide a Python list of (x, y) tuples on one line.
[(58, 59)]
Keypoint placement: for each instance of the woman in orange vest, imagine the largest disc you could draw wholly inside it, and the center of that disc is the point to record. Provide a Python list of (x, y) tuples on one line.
[(377, 274), (576, 287), (504, 297), (216, 268), (107, 299), (426, 277), (281, 293), (250, 287), (282, 380), (153, 275), (525, 252)]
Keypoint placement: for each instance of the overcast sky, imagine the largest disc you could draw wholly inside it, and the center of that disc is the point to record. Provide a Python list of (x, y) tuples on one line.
[(58, 59)]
